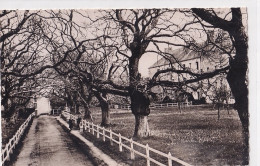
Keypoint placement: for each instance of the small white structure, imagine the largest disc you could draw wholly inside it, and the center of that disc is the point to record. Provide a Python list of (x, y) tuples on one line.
[(43, 105)]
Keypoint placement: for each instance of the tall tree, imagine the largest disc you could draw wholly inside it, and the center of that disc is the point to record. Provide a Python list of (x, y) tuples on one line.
[(237, 74), (20, 48), (134, 33), (31, 42)]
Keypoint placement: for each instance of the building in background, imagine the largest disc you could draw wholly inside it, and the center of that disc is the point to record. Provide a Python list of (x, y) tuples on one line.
[(196, 62), (43, 105)]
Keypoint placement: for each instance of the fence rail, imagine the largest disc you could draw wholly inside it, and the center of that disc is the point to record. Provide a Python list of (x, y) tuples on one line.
[(55, 112), (10, 146), (68, 115), (127, 143), (163, 105)]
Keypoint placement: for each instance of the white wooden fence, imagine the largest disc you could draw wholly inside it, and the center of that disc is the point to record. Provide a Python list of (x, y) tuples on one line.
[(68, 116), (166, 105), (163, 105), (10, 146), (127, 143), (55, 112)]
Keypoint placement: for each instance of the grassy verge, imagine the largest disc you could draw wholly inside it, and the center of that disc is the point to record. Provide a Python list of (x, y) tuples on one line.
[(17, 150), (195, 135), (83, 147), (9, 129)]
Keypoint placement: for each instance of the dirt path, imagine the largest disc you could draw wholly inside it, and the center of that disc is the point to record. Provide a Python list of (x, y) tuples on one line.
[(48, 144)]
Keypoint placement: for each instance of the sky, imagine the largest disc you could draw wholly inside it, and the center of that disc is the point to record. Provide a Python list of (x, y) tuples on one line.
[(145, 62)]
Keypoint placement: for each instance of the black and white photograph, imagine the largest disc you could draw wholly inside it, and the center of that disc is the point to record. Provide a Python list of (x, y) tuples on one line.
[(126, 86)]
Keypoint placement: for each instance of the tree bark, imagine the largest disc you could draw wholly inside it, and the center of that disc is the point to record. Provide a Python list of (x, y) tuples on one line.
[(104, 108), (140, 108), (139, 99), (237, 81), (87, 112), (218, 111), (86, 96), (76, 107), (105, 114), (141, 126)]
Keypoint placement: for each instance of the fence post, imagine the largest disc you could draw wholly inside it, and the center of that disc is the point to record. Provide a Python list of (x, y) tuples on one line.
[(147, 155), (81, 127), (132, 149), (2, 158), (97, 131), (110, 137), (85, 124), (74, 117), (93, 132), (169, 159), (11, 148), (14, 139), (120, 143), (7, 152), (88, 127), (104, 138)]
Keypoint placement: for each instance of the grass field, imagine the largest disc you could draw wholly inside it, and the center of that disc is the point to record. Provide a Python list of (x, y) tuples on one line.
[(195, 135), (9, 129)]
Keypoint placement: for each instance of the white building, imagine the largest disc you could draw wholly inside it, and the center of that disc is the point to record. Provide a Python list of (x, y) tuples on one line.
[(184, 59), (43, 105)]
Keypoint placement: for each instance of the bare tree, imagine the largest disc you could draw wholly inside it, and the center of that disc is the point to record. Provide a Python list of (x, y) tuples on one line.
[(32, 42), (20, 46), (134, 33), (230, 21), (237, 75)]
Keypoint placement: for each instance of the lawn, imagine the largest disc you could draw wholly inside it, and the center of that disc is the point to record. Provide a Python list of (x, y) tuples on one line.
[(195, 135)]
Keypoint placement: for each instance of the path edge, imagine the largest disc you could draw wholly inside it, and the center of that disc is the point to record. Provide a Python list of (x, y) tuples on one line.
[(96, 153)]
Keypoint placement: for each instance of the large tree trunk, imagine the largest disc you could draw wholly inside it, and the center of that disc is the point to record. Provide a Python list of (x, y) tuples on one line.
[(4, 100), (139, 99), (218, 104), (141, 126), (105, 114), (140, 108), (76, 107), (9, 110), (87, 112), (240, 92), (238, 65), (104, 108), (86, 96), (237, 81)]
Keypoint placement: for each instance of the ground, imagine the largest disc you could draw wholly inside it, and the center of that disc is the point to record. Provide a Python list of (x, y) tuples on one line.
[(47, 143), (195, 135)]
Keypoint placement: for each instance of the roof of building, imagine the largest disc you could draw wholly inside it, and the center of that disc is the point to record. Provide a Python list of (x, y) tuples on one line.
[(177, 55)]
